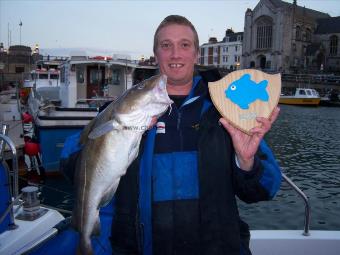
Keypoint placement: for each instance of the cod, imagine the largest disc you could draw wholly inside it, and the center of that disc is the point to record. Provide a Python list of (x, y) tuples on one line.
[(110, 142)]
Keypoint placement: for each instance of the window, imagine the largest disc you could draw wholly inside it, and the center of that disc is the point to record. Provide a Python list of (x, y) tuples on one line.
[(54, 76), (239, 38), (95, 76), (264, 33), (333, 45), (43, 76), (80, 74), (235, 58), (62, 74), (202, 52), (215, 59), (308, 35), (19, 69), (236, 48), (216, 49), (115, 77), (297, 33), (302, 92)]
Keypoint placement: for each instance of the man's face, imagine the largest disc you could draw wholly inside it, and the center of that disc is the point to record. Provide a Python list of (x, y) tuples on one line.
[(176, 53)]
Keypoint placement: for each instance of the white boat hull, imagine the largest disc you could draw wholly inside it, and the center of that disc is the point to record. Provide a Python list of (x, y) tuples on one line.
[(293, 242)]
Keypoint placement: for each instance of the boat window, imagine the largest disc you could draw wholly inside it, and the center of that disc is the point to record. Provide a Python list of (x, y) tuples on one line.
[(95, 76), (302, 92), (115, 80), (309, 93), (54, 76), (80, 74), (62, 74), (43, 76)]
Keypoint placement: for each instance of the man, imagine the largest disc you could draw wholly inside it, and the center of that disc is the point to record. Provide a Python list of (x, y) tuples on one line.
[(178, 196)]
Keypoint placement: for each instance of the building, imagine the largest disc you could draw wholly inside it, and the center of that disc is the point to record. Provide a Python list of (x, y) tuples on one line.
[(278, 35), (16, 63), (324, 53), (225, 54)]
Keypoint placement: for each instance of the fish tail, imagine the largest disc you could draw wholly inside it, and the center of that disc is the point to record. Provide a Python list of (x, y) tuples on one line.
[(263, 95), (85, 246)]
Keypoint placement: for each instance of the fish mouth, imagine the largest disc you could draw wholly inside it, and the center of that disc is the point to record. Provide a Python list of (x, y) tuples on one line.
[(162, 91)]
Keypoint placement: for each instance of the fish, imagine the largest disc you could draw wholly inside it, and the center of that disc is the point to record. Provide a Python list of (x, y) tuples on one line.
[(244, 91), (110, 142)]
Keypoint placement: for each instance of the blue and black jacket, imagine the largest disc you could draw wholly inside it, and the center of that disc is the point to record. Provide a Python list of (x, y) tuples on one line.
[(178, 196)]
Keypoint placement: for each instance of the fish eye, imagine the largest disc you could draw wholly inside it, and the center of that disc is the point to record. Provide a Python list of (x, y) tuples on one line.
[(233, 87)]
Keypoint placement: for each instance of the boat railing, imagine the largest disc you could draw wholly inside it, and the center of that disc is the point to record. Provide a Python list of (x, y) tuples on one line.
[(311, 78), (306, 202), (13, 175)]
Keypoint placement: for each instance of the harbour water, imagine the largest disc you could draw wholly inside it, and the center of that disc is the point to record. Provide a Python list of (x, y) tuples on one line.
[(306, 142)]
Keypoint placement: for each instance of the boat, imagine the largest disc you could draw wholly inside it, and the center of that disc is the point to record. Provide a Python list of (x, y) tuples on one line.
[(24, 224), (331, 99), (85, 84), (302, 96)]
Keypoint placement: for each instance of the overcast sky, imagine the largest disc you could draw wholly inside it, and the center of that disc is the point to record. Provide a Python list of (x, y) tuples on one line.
[(122, 26)]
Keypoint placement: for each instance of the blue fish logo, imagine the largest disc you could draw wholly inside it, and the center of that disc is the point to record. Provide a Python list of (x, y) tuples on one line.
[(244, 91)]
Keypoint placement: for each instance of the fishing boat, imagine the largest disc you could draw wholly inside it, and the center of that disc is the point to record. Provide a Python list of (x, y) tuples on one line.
[(85, 84), (302, 96), (24, 224)]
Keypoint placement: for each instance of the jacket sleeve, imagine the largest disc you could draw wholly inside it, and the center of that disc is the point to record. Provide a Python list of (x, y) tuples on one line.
[(260, 183)]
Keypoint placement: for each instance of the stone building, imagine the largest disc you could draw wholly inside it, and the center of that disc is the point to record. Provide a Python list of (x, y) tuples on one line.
[(278, 34), (225, 54), (324, 53), (16, 63)]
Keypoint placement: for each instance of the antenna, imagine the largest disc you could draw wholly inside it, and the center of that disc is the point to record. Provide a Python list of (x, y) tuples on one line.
[(20, 24)]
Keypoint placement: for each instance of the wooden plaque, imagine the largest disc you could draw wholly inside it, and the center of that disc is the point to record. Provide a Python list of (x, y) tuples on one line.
[(243, 95)]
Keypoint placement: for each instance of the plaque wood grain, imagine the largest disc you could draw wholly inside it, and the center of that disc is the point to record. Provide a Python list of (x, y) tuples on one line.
[(245, 119)]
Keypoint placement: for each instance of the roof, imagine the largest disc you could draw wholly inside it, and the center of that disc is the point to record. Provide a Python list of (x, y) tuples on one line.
[(300, 10), (328, 25)]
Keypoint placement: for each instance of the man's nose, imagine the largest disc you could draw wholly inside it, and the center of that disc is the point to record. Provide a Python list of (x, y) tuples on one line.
[(175, 51)]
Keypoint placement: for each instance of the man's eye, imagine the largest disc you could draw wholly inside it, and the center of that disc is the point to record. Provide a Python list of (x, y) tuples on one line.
[(185, 45), (165, 45)]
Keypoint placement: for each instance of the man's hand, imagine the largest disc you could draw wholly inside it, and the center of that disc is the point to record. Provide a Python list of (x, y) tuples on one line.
[(247, 145)]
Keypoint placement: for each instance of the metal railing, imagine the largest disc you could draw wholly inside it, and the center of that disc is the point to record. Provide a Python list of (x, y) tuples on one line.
[(305, 200), (12, 175), (312, 78)]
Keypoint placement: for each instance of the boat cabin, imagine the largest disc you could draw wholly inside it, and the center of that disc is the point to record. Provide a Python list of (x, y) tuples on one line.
[(87, 81)]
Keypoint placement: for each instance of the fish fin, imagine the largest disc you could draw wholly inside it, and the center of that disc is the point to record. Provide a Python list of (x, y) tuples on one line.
[(244, 106), (263, 95), (245, 77), (102, 117), (102, 129)]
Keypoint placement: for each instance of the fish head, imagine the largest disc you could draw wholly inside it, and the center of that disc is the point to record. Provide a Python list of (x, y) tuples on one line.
[(232, 91), (149, 98)]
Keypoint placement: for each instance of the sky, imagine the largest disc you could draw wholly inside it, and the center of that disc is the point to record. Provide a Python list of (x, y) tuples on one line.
[(112, 26)]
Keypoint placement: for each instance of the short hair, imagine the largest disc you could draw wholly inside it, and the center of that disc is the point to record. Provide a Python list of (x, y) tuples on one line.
[(175, 20)]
